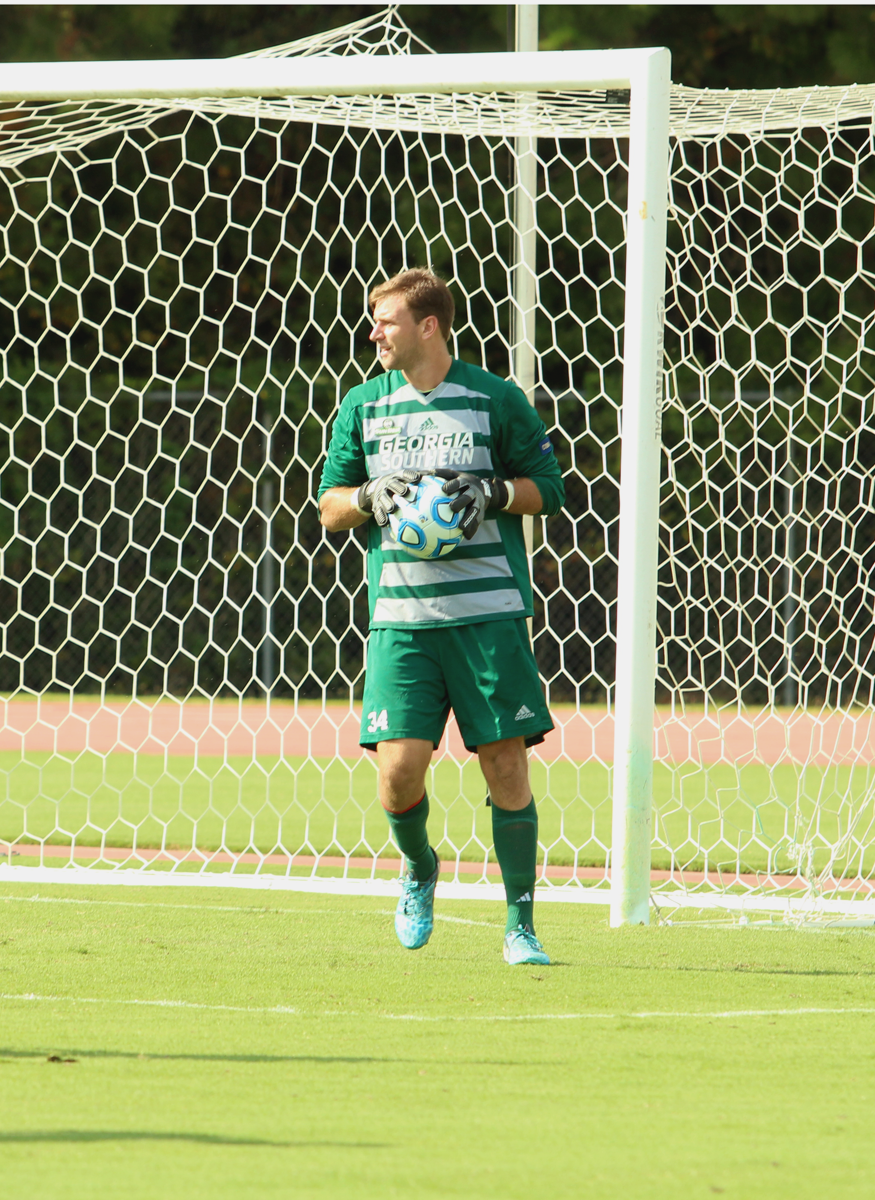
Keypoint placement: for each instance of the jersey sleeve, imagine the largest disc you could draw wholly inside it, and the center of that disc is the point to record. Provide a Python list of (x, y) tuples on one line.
[(345, 465), (525, 450)]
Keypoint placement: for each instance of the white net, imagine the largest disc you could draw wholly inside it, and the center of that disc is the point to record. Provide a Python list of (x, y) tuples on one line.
[(183, 304), (767, 653)]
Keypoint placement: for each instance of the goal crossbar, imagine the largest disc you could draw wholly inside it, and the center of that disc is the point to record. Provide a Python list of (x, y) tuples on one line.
[(326, 75)]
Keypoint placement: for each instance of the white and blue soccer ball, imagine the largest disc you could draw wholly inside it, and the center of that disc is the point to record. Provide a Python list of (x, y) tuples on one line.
[(423, 523)]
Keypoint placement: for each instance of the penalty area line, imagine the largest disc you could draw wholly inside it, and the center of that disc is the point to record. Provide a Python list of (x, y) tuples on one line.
[(31, 996), (385, 912), (286, 1011), (254, 910), (637, 1016), (248, 908)]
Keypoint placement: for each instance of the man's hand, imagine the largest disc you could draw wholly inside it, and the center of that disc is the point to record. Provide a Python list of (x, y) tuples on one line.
[(377, 496), (475, 496)]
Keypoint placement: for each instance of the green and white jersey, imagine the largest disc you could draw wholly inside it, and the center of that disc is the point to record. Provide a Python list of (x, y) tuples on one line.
[(472, 421)]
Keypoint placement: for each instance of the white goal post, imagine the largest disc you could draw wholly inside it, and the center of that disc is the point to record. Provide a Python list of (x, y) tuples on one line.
[(678, 280)]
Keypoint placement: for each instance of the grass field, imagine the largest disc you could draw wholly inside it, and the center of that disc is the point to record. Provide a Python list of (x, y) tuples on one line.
[(747, 812), (177, 1044)]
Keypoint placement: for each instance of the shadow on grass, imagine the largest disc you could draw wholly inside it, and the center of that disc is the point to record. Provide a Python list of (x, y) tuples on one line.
[(325, 1059), (71, 1055), (147, 1135)]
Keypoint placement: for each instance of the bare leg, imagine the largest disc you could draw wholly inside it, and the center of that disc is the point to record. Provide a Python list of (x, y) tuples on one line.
[(402, 763), (505, 768)]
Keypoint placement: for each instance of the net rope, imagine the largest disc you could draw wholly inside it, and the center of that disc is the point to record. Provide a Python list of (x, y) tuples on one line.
[(183, 304), (26, 128)]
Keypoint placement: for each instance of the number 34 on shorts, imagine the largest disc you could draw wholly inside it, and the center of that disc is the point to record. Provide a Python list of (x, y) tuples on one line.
[(378, 721)]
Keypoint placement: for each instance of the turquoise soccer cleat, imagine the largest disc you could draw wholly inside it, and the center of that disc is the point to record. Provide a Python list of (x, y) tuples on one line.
[(414, 916), (521, 946)]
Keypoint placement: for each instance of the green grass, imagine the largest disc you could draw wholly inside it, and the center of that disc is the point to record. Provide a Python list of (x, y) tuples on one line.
[(750, 813), (438, 1074)]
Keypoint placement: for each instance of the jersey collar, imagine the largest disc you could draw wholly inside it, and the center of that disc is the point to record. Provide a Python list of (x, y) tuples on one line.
[(436, 392)]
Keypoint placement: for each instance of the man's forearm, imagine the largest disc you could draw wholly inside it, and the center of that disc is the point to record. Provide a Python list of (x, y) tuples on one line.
[(337, 511), (527, 500)]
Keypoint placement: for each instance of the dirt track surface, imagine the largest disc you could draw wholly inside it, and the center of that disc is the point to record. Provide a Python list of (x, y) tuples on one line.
[(250, 728)]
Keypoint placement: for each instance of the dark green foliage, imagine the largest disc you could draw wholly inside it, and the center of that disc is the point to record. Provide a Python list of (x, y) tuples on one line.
[(729, 45), (767, 509), (712, 45)]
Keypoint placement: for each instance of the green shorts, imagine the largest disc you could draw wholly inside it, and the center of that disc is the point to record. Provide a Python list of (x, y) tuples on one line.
[(485, 673)]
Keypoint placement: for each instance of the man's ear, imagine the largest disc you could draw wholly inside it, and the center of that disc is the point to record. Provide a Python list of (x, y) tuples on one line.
[(429, 327)]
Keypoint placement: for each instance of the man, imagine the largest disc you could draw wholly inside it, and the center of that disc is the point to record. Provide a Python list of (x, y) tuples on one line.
[(451, 633)]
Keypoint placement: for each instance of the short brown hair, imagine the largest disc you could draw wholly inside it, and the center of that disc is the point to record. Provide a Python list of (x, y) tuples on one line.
[(425, 294)]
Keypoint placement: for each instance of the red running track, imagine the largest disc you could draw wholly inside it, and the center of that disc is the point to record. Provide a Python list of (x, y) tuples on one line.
[(249, 728)]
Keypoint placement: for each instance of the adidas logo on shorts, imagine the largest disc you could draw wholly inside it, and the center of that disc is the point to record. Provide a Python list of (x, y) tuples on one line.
[(524, 714)]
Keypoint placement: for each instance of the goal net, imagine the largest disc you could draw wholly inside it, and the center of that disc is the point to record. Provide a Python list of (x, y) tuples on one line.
[(183, 299)]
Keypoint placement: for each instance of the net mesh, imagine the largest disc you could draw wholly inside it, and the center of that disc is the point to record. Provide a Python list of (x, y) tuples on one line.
[(183, 304)]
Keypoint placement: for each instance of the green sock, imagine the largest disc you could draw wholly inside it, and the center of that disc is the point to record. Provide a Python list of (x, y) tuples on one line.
[(411, 836), (515, 835)]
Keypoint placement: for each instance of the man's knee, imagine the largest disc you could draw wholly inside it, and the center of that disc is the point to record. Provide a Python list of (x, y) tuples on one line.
[(402, 763), (505, 758), (505, 767)]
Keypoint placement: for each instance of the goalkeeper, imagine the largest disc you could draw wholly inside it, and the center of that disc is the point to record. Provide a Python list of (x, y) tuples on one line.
[(449, 633)]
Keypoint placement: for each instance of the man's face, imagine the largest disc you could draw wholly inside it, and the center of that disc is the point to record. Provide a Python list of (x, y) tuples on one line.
[(396, 335)]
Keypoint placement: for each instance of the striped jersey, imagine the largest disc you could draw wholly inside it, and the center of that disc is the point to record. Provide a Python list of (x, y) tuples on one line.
[(472, 421)]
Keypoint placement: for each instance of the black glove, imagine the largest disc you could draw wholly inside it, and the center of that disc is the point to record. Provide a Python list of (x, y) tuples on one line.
[(474, 495), (377, 496)]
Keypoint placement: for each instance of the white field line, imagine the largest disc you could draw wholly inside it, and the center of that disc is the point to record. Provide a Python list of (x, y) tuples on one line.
[(386, 912), (817, 924), (386, 889), (639, 1016), (31, 996), (860, 925), (244, 908), (283, 1010), (291, 912), (790, 907)]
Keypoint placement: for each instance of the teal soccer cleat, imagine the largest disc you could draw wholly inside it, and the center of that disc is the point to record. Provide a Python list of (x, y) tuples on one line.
[(414, 916), (521, 946)]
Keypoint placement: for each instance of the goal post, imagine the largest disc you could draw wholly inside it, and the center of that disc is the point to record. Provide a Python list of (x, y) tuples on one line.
[(639, 493)]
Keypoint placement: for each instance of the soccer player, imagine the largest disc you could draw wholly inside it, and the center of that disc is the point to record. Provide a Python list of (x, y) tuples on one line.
[(448, 633)]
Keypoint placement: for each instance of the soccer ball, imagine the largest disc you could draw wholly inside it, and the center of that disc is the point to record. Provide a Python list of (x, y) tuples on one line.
[(423, 523)]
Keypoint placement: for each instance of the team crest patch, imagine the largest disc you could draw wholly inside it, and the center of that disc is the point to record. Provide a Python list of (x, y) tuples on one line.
[(386, 427)]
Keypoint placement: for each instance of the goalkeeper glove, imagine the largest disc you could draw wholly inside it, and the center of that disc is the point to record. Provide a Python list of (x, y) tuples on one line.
[(377, 496), (475, 496)]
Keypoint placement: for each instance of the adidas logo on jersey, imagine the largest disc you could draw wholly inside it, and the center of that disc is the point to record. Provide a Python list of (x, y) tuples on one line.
[(427, 425), (524, 714)]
